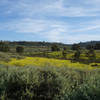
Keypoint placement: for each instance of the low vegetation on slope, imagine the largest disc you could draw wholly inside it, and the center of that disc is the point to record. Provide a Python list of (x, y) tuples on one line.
[(42, 62), (48, 83), (42, 71)]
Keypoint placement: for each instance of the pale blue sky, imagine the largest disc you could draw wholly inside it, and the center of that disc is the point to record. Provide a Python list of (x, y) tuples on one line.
[(66, 21)]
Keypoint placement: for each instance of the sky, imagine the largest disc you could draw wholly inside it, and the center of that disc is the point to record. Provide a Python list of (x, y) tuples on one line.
[(66, 21)]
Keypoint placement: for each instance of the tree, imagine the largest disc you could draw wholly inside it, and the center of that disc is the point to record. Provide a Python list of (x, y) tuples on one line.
[(4, 47), (77, 55), (91, 55), (64, 52), (97, 46), (65, 48), (55, 48), (19, 49), (89, 47), (75, 47)]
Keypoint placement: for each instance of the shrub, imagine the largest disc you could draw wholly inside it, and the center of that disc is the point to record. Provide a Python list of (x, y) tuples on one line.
[(77, 55), (55, 48), (4, 47), (19, 49), (48, 83), (91, 55)]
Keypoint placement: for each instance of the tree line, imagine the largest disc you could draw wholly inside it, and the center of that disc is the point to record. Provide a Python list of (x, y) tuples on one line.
[(5, 47)]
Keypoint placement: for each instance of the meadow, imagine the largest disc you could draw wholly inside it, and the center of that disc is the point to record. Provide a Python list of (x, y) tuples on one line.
[(42, 62), (38, 73)]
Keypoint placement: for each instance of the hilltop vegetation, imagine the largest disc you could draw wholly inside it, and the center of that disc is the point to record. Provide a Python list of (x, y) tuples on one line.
[(74, 52)]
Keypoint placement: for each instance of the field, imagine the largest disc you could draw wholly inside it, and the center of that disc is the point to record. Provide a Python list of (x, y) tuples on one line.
[(42, 62), (38, 73)]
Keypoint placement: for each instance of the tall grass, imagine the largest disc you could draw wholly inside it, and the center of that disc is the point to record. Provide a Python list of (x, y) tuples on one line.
[(48, 83), (42, 62)]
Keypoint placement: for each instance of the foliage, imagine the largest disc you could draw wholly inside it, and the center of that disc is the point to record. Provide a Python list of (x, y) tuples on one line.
[(42, 62), (37, 78), (64, 53), (19, 49), (91, 54), (89, 47), (55, 48), (30, 84), (97, 46), (77, 55), (75, 47), (48, 83), (4, 47)]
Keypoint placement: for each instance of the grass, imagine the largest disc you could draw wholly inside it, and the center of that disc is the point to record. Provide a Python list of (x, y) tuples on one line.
[(38, 78), (48, 83), (41, 62), (39, 74), (14, 59)]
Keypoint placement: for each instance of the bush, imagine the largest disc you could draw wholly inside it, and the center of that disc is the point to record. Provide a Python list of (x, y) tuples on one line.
[(55, 48), (77, 55), (91, 55), (32, 84), (19, 49), (4, 47), (48, 83)]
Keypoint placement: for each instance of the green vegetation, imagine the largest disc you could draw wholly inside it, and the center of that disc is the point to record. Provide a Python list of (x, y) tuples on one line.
[(19, 49), (49, 71), (4, 47), (55, 48), (77, 55), (91, 55), (48, 83)]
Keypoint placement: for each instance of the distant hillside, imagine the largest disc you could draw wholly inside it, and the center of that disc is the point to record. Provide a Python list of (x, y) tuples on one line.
[(48, 44), (84, 44), (31, 43)]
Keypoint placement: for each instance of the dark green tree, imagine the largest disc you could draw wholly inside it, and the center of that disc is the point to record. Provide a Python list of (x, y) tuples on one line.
[(91, 55), (65, 48), (89, 47), (4, 47), (55, 48), (19, 49), (64, 52), (75, 47), (97, 46), (77, 55)]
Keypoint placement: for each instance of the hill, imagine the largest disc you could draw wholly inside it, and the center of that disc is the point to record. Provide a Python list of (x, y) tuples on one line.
[(84, 44)]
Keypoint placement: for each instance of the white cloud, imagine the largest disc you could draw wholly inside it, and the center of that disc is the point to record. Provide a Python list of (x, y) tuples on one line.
[(54, 30), (32, 17), (31, 8), (88, 26), (51, 30)]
